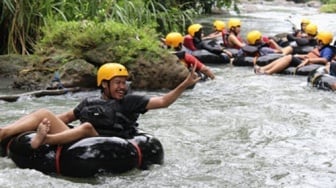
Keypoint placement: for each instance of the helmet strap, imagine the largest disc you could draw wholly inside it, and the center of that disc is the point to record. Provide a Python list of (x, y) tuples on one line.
[(106, 86), (179, 47), (234, 31)]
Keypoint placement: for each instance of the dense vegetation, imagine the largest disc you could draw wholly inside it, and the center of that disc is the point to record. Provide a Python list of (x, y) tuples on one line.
[(64, 35), (21, 21), (329, 6), (74, 37)]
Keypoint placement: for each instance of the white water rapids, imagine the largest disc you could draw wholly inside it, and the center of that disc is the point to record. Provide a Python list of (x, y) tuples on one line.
[(240, 130)]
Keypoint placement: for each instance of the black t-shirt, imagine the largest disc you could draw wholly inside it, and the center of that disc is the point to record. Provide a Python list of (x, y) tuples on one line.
[(112, 117)]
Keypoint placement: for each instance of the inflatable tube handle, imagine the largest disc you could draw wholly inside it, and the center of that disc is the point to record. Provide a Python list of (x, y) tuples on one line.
[(57, 159), (136, 146), (8, 146)]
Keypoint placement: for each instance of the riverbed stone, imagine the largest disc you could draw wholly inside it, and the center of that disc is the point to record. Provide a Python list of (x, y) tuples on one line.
[(77, 73), (166, 74), (22, 72)]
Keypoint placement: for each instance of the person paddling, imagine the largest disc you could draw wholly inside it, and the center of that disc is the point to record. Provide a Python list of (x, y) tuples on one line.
[(174, 40)]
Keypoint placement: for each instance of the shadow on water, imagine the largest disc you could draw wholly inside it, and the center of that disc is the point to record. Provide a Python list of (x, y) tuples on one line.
[(240, 130)]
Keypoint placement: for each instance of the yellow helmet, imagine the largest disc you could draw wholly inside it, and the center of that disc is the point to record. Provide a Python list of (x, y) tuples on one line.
[(311, 29), (174, 39), (305, 21), (234, 22), (253, 36), (325, 36), (194, 28), (219, 25), (110, 70)]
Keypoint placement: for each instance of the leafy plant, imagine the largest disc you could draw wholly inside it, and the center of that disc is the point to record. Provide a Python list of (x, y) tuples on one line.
[(128, 42), (21, 21), (328, 8)]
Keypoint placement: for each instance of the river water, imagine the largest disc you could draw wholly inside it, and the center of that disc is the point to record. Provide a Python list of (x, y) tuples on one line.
[(240, 130)]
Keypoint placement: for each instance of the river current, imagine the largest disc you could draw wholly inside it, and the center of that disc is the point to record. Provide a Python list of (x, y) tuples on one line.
[(239, 130)]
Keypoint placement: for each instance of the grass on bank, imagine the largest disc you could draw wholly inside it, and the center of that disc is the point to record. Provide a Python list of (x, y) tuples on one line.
[(328, 8), (125, 42)]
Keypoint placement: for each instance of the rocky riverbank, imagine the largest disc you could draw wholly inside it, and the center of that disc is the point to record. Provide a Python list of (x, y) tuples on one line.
[(41, 72), (36, 72)]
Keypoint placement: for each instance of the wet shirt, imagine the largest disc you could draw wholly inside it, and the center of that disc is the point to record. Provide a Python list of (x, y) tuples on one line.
[(266, 50), (327, 52), (112, 116), (191, 60), (196, 43), (225, 35), (189, 43)]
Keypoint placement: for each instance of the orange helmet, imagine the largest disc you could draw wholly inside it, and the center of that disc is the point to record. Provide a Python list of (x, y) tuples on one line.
[(234, 22), (325, 36), (253, 36), (109, 71), (305, 21), (194, 28), (174, 39), (219, 25), (311, 29)]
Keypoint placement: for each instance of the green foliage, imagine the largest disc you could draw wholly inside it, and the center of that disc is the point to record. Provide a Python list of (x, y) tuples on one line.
[(21, 21), (328, 8), (128, 42), (153, 13), (328, 1), (18, 20), (200, 6)]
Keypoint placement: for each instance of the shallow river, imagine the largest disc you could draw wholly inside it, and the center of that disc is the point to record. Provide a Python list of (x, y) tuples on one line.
[(240, 130)]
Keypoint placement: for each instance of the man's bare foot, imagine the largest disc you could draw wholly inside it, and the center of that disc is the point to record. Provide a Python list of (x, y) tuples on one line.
[(41, 134), (259, 71)]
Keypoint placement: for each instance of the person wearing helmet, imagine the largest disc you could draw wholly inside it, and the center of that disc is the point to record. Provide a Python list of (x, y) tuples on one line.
[(219, 30), (270, 46), (309, 35), (174, 40), (233, 40), (193, 41), (299, 33), (311, 31), (257, 47), (113, 113), (322, 54), (194, 37), (303, 25), (266, 45), (302, 44)]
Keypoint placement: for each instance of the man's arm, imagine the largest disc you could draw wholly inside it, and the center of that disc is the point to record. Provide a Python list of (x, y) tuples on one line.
[(167, 99)]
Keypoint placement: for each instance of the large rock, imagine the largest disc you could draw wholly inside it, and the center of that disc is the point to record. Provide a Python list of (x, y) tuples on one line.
[(166, 74), (35, 74), (99, 55), (78, 73), (158, 73), (10, 66)]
